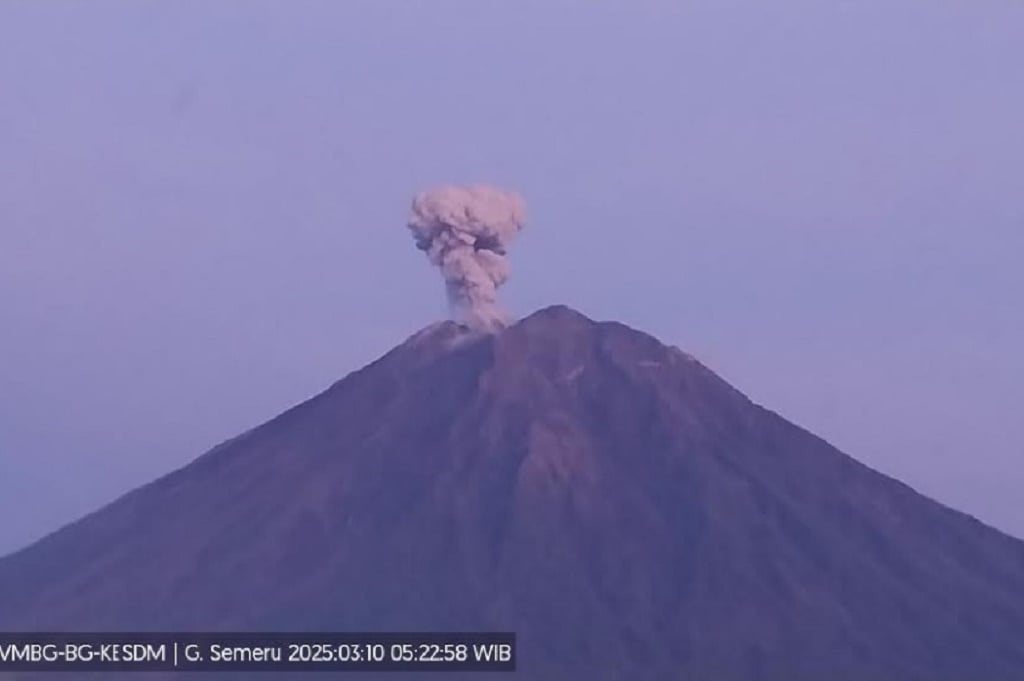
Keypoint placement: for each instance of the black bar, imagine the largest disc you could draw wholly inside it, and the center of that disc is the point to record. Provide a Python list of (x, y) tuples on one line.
[(255, 652)]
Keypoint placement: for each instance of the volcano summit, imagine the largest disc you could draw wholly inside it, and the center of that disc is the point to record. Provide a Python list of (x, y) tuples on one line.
[(610, 499)]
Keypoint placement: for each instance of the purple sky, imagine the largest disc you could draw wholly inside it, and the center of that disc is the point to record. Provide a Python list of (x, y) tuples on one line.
[(202, 214)]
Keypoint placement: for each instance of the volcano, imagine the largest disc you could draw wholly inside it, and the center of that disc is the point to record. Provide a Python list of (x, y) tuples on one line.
[(608, 498)]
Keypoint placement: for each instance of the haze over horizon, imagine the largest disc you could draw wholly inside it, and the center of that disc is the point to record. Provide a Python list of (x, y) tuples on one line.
[(203, 205)]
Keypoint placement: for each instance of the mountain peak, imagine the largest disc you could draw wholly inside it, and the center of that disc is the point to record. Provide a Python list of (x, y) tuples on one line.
[(557, 314)]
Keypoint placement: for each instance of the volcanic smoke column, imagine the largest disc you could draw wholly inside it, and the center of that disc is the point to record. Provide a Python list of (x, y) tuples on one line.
[(465, 231)]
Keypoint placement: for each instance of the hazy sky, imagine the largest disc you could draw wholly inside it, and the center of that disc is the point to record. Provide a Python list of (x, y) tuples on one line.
[(202, 212)]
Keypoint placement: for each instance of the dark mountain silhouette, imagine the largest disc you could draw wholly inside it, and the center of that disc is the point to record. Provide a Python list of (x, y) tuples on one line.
[(609, 498)]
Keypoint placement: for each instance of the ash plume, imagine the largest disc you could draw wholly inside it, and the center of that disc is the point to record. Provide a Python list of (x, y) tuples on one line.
[(465, 231)]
